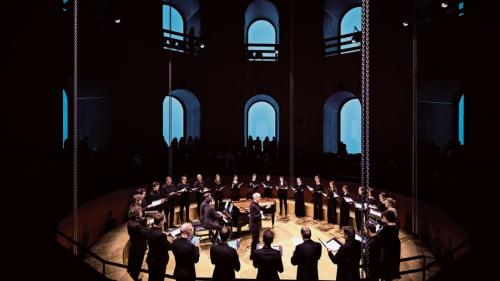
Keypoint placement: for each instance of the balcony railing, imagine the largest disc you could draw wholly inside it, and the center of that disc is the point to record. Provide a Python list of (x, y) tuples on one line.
[(261, 52), (180, 42), (343, 44)]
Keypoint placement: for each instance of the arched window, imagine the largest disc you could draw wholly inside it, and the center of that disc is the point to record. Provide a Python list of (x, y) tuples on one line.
[(181, 25), (172, 22), (350, 126), (173, 119), (461, 120), (342, 123), (65, 117), (261, 31), (351, 23), (261, 118)]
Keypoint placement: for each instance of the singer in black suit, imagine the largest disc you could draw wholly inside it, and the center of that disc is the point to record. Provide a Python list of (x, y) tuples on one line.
[(159, 246), (199, 186), (306, 256), (345, 208), (268, 187), (255, 222), (212, 218), (186, 255), (235, 189), (184, 199), (358, 214), (154, 195), (253, 186), (331, 213), (283, 195), (374, 247), (267, 260), (217, 191), (167, 191), (138, 242), (224, 258), (391, 247), (318, 198), (347, 257)]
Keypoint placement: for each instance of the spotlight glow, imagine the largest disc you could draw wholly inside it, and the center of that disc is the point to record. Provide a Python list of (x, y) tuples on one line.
[(444, 5), (405, 23), (117, 20)]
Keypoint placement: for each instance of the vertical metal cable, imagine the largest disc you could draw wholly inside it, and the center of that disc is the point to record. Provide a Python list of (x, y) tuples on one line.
[(292, 97), (414, 130), (75, 125), (170, 155)]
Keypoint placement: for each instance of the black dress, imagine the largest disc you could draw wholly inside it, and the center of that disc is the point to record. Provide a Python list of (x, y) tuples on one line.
[(253, 188), (318, 201), (283, 196), (235, 191), (391, 252), (268, 189), (217, 192), (332, 207), (358, 214), (345, 209), (300, 209)]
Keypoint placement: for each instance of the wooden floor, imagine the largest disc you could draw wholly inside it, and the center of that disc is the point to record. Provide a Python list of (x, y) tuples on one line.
[(111, 247)]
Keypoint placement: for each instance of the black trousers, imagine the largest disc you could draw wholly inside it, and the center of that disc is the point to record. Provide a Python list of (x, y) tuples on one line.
[(268, 193), (255, 238), (318, 208), (199, 199), (283, 199), (184, 205), (169, 214), (218, 199), (135, 258), (156, 271)]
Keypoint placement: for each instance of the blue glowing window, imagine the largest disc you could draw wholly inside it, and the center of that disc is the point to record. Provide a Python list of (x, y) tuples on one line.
[(350, 126), (262, 32), (262, 120), (351, 22), (172, 21), (461, 120), (65, 116), (173, 121)]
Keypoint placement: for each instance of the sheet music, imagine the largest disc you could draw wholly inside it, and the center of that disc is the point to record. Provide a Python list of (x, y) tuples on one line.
[(278, 247), (335, 195), (195, 239), (373, 206), (310, 188), (375, 213), (359, 238), (149, 221), (297, 240), (235, 244), (358, 205), (348, 199), (156, 202)]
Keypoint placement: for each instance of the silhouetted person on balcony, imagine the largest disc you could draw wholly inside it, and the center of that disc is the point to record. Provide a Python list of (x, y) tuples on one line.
[(258, 145), (174, 145), (274, 146), (266, 145), (250, 145), (342, 150)]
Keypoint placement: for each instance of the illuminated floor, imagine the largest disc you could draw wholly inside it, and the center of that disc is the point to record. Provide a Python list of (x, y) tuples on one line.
[(111, 247)]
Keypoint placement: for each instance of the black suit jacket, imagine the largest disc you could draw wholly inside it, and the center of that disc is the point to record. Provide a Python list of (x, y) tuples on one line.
[(212, 218), (226, 261), (203, 215), (158, 246), (255, 216), (268, 262), (306, 256), (186, 255), (347, 260)]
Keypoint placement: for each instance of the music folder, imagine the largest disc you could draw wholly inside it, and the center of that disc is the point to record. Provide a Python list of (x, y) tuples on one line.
[(195, 239), (332, 244), (310, 188), (358, 205), (297, 241), (276, 247), (360, 238), (149, 221), (235, 244), (175, 232), (156, 202)]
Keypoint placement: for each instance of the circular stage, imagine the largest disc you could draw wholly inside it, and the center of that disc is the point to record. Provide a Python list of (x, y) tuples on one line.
[(111, 247)]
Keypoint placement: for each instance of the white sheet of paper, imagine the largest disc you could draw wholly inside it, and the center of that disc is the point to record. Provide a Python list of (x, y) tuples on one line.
[(150, 220), (296, 241), (358, 237), (235, 244), (372, 207), (175, 232), (358, 205), (335, 195), (156, 202)]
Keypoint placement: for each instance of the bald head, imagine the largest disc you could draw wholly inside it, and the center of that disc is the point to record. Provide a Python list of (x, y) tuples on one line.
[(185, 229), (256, 197), (306, 232)]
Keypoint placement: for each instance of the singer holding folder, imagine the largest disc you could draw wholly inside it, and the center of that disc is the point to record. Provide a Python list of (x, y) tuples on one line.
[(317, 190), (347, 257)]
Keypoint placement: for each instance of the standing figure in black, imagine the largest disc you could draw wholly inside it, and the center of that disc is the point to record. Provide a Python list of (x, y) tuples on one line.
[(345, 207), (374, 249), (253, 186), (391, 247), (268, 260), (371, 198), (217, 191), (306, 256), (224, 258), (331, 196), (235, 189), (168, 191), (282, 188), (317, 198), (268, 187), (159, 246), (186, 255), (154, 195), (381, 199), (138, 244), (298, 192), (255, 222), (184, 189), (347, 258), (199, 189), (358, 213)]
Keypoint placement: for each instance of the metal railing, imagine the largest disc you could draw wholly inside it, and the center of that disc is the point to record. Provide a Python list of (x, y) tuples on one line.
[(85, 251), (180, 42), (261, 52), (336, 45)]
